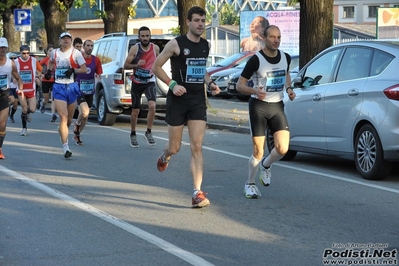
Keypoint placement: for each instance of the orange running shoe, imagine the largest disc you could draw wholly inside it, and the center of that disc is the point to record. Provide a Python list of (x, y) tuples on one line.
[(162, 164), (2, 155), (199, 200)]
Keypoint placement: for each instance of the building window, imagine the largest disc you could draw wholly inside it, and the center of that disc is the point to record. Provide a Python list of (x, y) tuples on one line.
[(373, 11), (349, 12)]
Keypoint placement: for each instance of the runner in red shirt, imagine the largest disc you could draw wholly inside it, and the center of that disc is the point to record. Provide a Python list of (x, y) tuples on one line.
[(29, 70)]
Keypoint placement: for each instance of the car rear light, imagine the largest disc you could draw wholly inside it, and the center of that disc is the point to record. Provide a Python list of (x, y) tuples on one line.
[(117, 77), (126, 100), (392, 92)]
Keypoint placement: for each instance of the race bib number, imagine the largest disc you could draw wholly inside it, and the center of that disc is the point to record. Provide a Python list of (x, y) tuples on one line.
[(196, 69), (142, 75), (87, 86), (26, 76), (3, 82), (275, 81), (60, 72)]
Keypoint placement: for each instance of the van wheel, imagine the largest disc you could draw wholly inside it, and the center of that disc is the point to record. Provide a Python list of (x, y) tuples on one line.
[(290, 155), (104, 117), (369, 156)]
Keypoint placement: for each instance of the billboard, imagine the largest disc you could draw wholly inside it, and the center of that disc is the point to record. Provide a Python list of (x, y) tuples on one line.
[(252, 24), (388, 23)]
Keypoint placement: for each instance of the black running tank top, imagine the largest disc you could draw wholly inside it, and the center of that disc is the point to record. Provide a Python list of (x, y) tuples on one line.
[(189, 67)]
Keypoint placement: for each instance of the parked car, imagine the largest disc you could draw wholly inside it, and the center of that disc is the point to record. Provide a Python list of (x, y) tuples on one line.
[(221, 79), (214, 58), (112, 93), (233, 79), (229, 62), (347, 105)]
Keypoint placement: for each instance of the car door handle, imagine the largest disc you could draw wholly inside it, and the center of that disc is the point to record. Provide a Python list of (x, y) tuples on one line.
[(353, 92), (316, 97)]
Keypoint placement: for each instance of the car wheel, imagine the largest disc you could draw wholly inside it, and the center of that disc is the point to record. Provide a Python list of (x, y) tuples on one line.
[(369, 156), (104, 117), (290, 155)]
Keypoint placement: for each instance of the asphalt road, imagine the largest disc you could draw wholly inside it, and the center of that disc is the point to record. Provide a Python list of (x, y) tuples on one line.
[(108, 204)]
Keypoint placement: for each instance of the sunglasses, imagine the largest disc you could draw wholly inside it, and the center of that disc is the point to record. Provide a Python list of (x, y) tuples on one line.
[(26, 53)]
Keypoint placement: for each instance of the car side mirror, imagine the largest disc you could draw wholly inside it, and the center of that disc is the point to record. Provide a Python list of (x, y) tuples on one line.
[(297, 82)]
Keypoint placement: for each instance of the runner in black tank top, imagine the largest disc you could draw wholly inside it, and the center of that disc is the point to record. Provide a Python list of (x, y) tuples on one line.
[(186, 101)]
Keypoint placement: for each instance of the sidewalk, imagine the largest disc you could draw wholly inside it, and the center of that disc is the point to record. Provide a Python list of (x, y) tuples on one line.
[(228, 119)]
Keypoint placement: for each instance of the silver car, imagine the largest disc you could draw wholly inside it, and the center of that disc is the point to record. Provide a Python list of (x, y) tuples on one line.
[(347, 105)]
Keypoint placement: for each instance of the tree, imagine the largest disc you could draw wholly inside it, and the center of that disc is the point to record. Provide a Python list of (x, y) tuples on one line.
[(316, 27), (183, 6), (228, 15), (116, 14)]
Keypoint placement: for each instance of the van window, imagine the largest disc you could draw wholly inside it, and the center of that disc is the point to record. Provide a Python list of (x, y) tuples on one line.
[(160, 42), (107, 51)]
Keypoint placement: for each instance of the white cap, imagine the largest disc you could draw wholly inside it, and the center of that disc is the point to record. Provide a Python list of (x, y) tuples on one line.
[(3, 42), (65, 34)]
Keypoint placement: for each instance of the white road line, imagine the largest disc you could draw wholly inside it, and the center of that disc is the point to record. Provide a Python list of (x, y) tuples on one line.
[(346, 179), (168, 247)]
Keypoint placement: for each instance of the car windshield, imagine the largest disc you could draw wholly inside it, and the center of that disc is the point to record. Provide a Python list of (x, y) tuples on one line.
[(228, 61)]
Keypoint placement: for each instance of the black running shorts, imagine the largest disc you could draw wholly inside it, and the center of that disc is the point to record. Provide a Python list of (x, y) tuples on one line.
[(264, 114)]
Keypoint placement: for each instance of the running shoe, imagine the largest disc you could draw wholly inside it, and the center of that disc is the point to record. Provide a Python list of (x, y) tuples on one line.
[(251, 191), (67, 154), (265, 174), (12, 119), (199, 200), (133, 141), (78, 141), (42, 108), (149, 138), (28, 118), (24, 132), (76, 129), (162, 164), (2, 155), (53, 118)]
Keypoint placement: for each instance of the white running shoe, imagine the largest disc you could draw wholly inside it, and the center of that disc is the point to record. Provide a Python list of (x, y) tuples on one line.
[(264, 175), (24, 132), (251, 191)]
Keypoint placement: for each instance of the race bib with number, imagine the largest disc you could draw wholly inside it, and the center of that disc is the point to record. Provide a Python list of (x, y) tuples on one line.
[(60, 72), (3, 82), (275, 81), (87, 86), (196, 69), (26, 76), (142, 75)]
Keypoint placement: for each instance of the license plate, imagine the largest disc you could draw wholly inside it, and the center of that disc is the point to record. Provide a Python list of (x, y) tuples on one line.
[(231, 87)]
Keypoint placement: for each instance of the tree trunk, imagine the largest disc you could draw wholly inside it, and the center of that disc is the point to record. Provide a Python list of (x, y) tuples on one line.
[(316, 28), (55, 19), (13, 37), (117, 15), (183, 6)]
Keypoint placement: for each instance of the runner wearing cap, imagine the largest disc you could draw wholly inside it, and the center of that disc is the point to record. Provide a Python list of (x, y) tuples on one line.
[(7, 69), (66, 62)]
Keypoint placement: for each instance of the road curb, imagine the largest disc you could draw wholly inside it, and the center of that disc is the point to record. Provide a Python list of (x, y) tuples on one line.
[(236, 129)]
